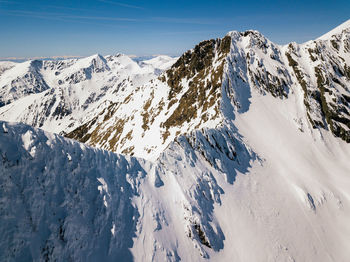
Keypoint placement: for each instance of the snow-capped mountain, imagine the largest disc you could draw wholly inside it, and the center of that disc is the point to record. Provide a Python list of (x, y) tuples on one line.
[(20, 80), (71, 91), (238, 151), (159, 63), (196, 91)]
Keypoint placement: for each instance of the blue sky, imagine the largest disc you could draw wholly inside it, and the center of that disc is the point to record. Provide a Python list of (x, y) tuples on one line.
[(30, 28)]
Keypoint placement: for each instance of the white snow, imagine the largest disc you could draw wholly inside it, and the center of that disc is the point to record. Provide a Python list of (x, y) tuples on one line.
[(161, 62)]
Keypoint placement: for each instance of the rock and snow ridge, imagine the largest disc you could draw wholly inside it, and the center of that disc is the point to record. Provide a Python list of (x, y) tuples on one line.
[(247, 160), (64, 94), (190, 95)]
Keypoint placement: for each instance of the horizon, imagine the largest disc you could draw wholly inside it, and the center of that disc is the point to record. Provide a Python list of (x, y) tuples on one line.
[(64, 29), (23, 59)]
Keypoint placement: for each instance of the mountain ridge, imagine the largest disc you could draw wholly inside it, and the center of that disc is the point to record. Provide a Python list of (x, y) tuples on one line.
[(279, 75), (253, 61)]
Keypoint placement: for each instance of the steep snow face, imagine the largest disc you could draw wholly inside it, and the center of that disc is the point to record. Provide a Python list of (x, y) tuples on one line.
[(61, 200), (256, 63), (321, 68), (298, 189), (316, 71), (76, 89), (19, 80)]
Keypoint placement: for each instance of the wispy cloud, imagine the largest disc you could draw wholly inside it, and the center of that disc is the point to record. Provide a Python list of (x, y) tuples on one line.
[(192, 32), (109, 25), (102, 18), (59, 16), (65, 17), (39, 15), (120, 4), (176, 20), (67, 8)]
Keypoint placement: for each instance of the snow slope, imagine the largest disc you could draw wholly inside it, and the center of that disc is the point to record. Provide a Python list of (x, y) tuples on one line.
[(5, 65), (159, 63)]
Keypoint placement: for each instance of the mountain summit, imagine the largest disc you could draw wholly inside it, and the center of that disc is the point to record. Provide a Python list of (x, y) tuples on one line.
[(237, 150), (213, 82)]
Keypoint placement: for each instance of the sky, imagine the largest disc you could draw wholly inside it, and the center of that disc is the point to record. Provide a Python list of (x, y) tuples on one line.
[(38, 28)]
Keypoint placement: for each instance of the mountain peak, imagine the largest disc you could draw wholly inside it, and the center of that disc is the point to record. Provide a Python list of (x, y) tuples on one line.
[(236, 34), (97, 62)]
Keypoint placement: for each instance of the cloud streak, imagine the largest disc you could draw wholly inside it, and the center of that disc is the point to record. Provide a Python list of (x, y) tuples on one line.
[(102, 18), (175, 20), (193, 32), (68, 8), (59, 16), (65, 17), (70, 19), (120, 4)]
